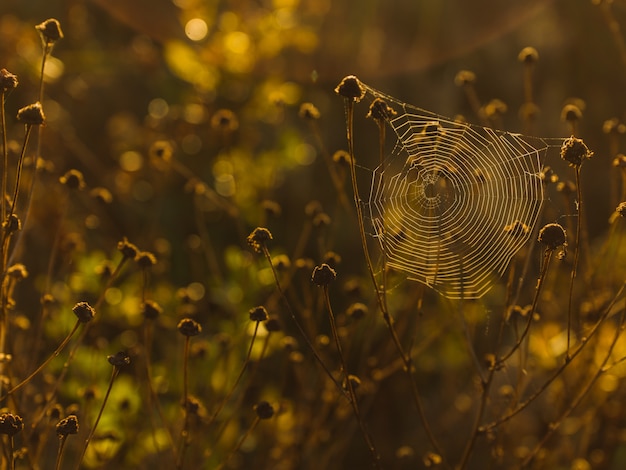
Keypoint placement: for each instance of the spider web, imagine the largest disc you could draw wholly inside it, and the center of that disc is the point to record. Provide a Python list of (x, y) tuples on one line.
[(454, 202)]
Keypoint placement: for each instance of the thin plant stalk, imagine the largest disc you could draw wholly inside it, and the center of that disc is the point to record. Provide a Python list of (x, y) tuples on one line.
[(184, 433), (62, 440), (242, 439), (576, 258)]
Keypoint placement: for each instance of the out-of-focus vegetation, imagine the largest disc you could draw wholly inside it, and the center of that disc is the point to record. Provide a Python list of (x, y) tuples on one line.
[(174, 128)]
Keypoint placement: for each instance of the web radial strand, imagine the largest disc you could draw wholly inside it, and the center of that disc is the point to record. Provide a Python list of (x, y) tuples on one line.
[(454, 202)]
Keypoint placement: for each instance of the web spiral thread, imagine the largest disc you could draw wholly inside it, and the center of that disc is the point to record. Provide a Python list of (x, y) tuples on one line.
[(454, 202)]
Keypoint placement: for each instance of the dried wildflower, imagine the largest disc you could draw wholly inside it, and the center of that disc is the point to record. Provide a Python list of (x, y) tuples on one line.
[(102, 195), (528, 55), (151, 309), (357, 310), (571, 113), (308, 111), (553, 236), (119, 359), (281, 262), (127, 249), (258, 238), (145, 259), (67, 426), (258, 314), (50, 31), (272, 324), (224, 120), (621, 209), (321, 220), (380, 111), (323, 275), (354, 381), (271, 208), (575, 152), (73, 179), (17, 271), (12, 224), (8, 81), (264, 410), (54, 413), (495, 108), (84, 312), (350, 88), (517, 229), (342, 158), (464, 78), (10, 424), (189, 327), (31, 115)]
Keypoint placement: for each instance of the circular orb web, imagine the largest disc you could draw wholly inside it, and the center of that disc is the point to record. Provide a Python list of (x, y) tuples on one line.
[(454, 202)]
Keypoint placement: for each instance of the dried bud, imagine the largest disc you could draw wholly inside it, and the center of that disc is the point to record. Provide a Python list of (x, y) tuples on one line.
[(84, 312), (575, 152), (10, 424), (528, 55), (380, 111), (621, 209), (67, 426), (258, 314), (145, 259), (102, 195), (8, 81), (32, 115), (224, 120), (351, 88), (357, 310), (127, 249), (73, 179), (465, 77), (151, 309), (553, 236), (119, 359), (258, 238), (342, 158), (309, 111), (17, 271), (323, 275), (571, 113), (189, 327), (264, 410), (50, 31), (12, 224)]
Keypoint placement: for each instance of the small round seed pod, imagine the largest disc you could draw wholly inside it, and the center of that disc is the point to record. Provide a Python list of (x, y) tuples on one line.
[(224, 120), (32, 115), (145, 259), (10, 424), (189, 327), (258, 238), (553, 236), (151, 310), (575, 152), (12, 224), (84, 312), (127, 249), (323, 275), (50, 31), (357, 311), (119, 359), (67, 426), (528, 55), (73, 179), (264, 410), (621, 209), (309, 112), (102, 195), (8, 81), (464, 78), (17, 271), (342, 158), (380, 111)]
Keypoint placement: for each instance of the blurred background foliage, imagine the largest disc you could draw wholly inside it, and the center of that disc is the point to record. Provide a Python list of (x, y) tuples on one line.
[(219, 84)]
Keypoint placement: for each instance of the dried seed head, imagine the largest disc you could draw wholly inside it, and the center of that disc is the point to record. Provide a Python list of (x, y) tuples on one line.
[(620, 161), (323, 275), (32, 115), (553, 236), (271, 208), (308, 111), (189, 327), (528, 55), (495, 108), (575, 152), (161, 150), (145, 259), (67, 426), (119, 359), (571, 113), (350, 88), (127, 249), (321, 220), (357, 310), (258, 238), (354, 381), (264, 410), (10, 424), (17, 271), (517, 229), (84, 312), (464, 78), (12, 224), (102, 195), (621, 209), (342, 158), (8, 81), (50, 31), (380, 111), (224, 120), (281, 262), (151, 309), (258, 314), (73, 179)]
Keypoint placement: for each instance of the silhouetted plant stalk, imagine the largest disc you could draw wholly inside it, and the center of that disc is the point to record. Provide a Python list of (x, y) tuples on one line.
[(352, 91), (64, 428), (188, 328), (119, 360), (322, 276)]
